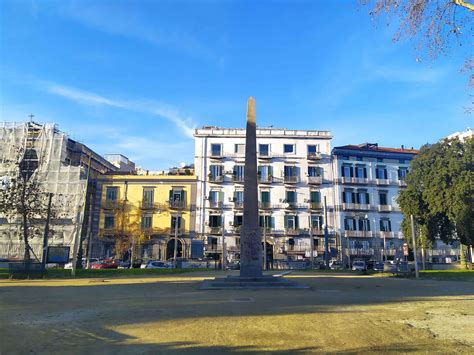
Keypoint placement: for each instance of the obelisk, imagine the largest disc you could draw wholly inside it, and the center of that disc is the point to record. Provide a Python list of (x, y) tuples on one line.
[(250, 239)]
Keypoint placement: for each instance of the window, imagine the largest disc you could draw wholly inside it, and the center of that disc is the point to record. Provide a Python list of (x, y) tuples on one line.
[(315, 196), (238, 172), (383, 198), (363, 197), (290, 171), (147, 221), (348, 196), (291, 197), (313, 149), (215, 196), (238, 220), (148, 194), (347, 171), (359, 244), (177, 196), (315, 171), (316, 221), (111, 194), (239, 196), (385, 225), (109, 222), (263, 149), (364, 224), (349, 224), (291, 222), (381, 172), (402, 173), (266, 221), (216, 150), (361, 171), (264, 172), (265, 197), (239, 148), (173, 222), (288, 148), (215, 171), (215, 221)]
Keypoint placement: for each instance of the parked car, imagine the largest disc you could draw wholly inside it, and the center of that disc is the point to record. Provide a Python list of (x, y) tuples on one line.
[(378, 266), (337, 265), (105, 264), (125, 264), (153, 264), (84, 263), (359, 265), (233, 265)]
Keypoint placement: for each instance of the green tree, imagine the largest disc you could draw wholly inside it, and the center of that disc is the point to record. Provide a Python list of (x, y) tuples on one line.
[(440, 192)]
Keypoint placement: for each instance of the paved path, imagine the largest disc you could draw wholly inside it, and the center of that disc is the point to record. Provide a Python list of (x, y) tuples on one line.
[(339, 313)]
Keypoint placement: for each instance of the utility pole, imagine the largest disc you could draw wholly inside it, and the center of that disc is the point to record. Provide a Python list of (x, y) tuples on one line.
[(414, 246), (311, 240), (348, 251), (264, 243), (175, 251), (46, 229), (326, 234), (223, 232)]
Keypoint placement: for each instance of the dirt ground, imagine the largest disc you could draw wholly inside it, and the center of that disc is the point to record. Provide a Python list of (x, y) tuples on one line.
[(339, 313)]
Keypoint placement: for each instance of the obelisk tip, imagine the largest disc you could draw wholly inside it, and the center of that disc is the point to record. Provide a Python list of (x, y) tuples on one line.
[(251, 114)]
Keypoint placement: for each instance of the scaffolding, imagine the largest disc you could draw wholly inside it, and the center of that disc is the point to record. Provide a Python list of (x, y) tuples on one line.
[(56, 175)]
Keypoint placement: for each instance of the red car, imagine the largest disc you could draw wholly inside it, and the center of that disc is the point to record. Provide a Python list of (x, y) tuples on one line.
[(105, 264)]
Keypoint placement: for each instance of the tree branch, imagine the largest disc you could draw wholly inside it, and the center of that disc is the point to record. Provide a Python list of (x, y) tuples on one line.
[(465, 4)]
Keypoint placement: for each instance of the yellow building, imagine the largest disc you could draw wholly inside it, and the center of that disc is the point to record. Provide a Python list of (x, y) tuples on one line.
[(139, 213)]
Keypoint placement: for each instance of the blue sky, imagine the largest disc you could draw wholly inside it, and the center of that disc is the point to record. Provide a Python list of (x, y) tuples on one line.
[(135, 77)]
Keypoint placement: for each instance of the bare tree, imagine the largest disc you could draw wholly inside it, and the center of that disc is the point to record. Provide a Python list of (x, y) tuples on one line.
[(23, 198)]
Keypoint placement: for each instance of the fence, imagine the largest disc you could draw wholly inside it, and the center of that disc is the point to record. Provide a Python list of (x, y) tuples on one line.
[(16, 250)]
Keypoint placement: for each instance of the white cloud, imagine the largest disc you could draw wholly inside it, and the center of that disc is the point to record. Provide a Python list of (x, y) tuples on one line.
[(185, 124)]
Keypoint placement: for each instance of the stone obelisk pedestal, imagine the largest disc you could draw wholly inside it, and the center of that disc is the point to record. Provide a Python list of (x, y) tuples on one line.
[(251, 262)]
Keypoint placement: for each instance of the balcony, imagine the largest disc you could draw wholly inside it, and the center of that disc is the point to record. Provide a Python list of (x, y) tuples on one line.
[(315, 156), (361, 251), (354, 180), (385, 208), (215, 230), (266, 230), (315, 180), (390, 252), (358, 234), (356, 206), (177, 205), (295, 231), (149, 205), (238, 179), (216, 178), (108, 232), (112, 204), (154, 230), (291, 179), (216, 155), (382, 181), (216, 204), (236, 229), (238, 205), (315, 205), (265, 205), (317, 231), (297, 248), (387, 234), (402, 183), (265, 179)]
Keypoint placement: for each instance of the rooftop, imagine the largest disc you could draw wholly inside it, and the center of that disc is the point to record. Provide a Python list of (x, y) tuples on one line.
[(209, 131)]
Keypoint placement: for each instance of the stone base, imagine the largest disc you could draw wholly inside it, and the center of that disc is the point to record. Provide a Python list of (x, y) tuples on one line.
[(250, 283)]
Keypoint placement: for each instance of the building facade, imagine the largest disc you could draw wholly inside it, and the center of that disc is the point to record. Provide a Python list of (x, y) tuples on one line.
[(367, 181), (294, 178), (147, 211), (64, 168)]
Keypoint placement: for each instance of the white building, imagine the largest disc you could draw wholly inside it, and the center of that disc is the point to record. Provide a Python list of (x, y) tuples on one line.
[(367, 181), (295, 176)]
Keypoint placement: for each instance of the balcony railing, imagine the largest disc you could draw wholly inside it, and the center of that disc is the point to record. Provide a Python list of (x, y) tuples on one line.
[(216, 178), (215, 204), (153, 230), (112, 204), (382, 181), (149, 205), (385, 208), (177, 205), (315, 156), (264, 205), (108, 231), (361, 251), (291, 179), (265, 179), (315, 205), (238, 178), (216, 155), (295, 231), (236, 229), (387, 234), (390, 251), (297, 248), (315, 180), (268, 230), (317, 231), (402, 183), (354, 180), (215, 230), (238, 205), (356, 206), (358, 234)]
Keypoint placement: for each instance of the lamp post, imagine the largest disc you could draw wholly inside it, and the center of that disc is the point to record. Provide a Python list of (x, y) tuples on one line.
[(264, 243), (223, 232), (175, 251)]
